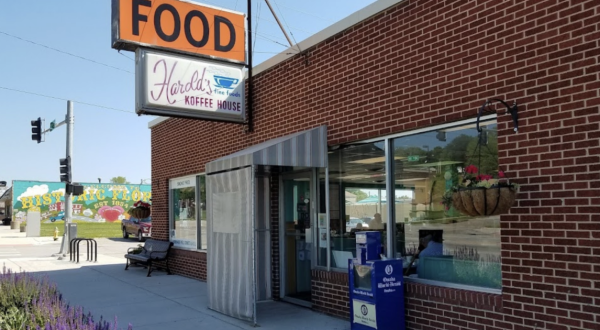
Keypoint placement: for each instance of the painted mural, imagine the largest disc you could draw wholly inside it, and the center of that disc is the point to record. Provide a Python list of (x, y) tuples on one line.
[(99, 203)]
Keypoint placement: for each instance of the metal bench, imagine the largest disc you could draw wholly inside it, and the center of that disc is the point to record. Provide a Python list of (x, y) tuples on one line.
[(152, 251)]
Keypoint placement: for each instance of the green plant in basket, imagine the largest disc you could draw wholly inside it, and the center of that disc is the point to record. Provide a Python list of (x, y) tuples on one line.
[(137, 250), (140, 210), (481, 194)]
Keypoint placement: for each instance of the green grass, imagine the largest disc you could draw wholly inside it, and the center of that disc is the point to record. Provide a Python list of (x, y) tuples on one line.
[(85, 229)]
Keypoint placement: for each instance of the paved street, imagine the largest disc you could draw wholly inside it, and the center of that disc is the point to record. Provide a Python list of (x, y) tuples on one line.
[(148, 303)]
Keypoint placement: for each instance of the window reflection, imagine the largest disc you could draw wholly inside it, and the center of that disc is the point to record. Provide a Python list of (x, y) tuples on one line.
[(452, 247), (357, 198), (187, 219), (458, 248)]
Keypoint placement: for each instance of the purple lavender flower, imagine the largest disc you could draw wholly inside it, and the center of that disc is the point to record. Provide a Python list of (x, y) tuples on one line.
[(39, 305)]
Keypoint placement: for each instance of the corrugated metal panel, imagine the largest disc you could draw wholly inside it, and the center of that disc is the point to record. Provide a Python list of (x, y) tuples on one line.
[(307, 148), (230, 265)]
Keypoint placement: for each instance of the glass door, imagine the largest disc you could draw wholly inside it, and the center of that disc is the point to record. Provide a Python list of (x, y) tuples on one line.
[(297, 217)]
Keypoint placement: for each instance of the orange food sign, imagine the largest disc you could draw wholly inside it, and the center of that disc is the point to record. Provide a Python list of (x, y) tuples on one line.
[(179, 26)]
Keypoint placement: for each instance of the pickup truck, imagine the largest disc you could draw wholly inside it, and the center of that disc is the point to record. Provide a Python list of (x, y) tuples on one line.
[(140, 228)]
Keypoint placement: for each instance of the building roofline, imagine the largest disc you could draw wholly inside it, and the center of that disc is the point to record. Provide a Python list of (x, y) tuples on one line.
[(156, 121), (330, 31)]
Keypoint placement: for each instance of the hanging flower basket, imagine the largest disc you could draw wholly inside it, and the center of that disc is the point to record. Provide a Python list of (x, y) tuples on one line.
[(140, 210), (482, 201), (481, 195)]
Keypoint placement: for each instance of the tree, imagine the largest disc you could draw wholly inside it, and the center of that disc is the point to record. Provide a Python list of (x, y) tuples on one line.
[(360, 195), (119, 180)]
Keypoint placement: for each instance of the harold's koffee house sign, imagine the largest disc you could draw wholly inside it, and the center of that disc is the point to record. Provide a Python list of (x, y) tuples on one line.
[(189, 57), (179, 26), (182, 86)]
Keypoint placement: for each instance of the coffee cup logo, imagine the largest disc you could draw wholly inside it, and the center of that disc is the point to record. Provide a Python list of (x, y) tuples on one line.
[(226, 82)]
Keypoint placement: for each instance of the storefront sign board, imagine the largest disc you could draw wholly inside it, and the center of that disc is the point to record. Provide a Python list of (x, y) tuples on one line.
[(179, 26), (182, 86)]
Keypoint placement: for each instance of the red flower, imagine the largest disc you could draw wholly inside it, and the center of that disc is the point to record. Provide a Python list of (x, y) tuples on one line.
[(483, 177), (141, 204), (500, 174), (471, 169)]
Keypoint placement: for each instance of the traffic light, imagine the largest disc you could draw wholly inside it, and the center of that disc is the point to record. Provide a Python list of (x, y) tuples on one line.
[(441, 136), (65, 169), (75, 189), (36, 130)]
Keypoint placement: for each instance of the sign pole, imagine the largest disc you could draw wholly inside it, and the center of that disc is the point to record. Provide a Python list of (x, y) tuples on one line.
[(250, 87), (65, 246)]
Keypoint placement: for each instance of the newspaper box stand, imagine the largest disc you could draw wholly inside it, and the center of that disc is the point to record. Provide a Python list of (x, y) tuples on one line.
[(376, 287)]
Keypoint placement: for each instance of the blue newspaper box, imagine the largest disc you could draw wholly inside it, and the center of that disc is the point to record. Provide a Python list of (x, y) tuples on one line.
[(376, 288)]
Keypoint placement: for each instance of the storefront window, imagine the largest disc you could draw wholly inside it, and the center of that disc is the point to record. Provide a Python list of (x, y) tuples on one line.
[(424, 166), (454, 247), (187, 220), (202, 212), (356, 198)]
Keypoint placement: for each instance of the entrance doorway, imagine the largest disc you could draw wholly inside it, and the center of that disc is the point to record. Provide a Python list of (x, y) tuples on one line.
[(297, 216)]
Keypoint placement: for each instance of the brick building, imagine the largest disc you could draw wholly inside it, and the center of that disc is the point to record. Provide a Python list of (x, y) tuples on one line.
[(398, 86)]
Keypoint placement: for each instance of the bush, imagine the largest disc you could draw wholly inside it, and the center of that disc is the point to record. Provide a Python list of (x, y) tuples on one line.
[(28, 302)]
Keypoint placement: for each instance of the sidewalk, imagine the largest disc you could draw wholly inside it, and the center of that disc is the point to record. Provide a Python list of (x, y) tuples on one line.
[(158, 302)]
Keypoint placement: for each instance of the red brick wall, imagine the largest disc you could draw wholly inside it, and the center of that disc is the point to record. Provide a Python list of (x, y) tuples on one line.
[(427, 62), (433, 308), (188, 263), (330, 293)]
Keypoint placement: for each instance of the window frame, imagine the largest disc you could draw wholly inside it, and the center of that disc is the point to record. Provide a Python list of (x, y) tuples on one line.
[(390, 191), (198, 211)]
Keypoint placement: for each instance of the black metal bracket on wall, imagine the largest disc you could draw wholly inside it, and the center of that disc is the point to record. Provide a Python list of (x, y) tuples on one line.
[(513, 110)]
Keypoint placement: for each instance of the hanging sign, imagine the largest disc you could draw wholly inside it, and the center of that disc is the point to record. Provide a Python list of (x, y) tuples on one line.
[(182, 86), (179, 26)]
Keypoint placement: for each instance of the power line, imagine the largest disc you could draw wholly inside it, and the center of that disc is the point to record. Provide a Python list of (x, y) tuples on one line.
[(295, 28), (254, 16), (303, 12), (62, 99), (127, 57), (286, 24), (256, 27), (277, 42), (64, 52), (262, 35)]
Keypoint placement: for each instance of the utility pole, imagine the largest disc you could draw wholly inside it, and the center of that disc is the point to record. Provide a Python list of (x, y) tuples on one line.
[(65, 246)]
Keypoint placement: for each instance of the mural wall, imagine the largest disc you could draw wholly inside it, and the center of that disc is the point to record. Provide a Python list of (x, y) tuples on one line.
[(99, 203)]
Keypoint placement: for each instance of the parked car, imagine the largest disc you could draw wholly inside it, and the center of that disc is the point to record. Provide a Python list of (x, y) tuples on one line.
[(353, 223), (59, 216), (140, 228)]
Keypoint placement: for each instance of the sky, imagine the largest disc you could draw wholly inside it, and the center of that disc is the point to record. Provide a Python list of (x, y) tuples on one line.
[(54, 51)]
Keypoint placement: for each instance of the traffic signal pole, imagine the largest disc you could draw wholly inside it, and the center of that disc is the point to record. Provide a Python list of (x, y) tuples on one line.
[(65, 246)]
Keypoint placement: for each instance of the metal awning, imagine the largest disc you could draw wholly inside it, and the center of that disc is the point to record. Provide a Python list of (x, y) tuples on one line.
[(306, 148), (6, 195)]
